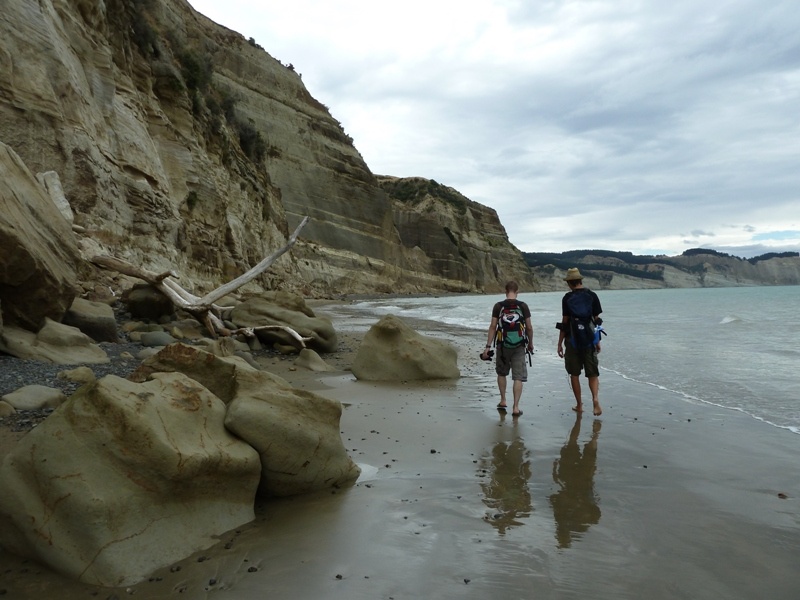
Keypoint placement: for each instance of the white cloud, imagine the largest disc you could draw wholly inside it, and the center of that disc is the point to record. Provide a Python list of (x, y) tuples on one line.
[(619, 125)]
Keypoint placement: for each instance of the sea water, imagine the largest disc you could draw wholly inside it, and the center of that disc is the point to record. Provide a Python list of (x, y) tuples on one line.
[(734, 348)]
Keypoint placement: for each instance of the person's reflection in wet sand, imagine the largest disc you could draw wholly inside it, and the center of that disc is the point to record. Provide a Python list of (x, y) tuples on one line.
[(506, 493), (575, 503)]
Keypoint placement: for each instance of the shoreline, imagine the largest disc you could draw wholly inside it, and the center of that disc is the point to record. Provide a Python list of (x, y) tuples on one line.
[(658, 497)]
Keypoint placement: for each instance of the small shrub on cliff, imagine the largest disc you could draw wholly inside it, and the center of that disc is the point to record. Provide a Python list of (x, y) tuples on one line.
[(144, 36), (251, 141), (192, 199), (197, 70), (448, 194)]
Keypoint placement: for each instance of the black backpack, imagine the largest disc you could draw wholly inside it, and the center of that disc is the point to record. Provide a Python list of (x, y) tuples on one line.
[(581, 322)]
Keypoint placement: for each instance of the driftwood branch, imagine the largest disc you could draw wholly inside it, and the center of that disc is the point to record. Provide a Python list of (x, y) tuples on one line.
[(251, 332), (234, 285), (203, 309)]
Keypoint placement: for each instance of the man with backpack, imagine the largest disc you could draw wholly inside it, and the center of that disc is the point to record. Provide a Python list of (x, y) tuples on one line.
[(511, 332), (580, 310)]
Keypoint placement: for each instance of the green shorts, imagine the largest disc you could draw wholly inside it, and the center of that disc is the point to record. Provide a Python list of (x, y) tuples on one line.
[(581, 360), (512, 360)]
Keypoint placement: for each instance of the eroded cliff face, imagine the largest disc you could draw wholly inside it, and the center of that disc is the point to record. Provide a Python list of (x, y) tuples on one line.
[(181, 145), (462, 241)]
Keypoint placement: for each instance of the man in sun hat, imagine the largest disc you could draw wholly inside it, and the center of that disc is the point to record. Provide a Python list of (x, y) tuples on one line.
[(580, 310)]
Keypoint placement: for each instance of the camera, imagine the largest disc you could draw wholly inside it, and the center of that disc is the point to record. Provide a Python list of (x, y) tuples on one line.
[(559, 325), (489, 354)]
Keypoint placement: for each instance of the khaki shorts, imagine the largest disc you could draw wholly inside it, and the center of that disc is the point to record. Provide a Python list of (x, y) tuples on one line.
[(512, 360), (581, 360)]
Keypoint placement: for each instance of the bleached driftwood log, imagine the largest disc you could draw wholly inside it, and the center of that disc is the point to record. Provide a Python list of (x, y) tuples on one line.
[(204, 309)]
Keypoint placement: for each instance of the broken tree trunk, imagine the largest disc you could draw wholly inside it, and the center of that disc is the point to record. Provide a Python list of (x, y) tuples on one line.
[(204, 309)]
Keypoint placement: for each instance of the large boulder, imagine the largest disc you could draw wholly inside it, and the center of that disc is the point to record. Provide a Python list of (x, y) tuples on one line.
[(392, 351), (218, 375), (143, 301), (125, 478), (54, 342), (95, 319), (297, 433), (35, 397), (38, 250), (279, 311)]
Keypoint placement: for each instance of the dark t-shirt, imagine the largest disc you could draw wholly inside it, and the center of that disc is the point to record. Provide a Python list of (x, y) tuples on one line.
[(596, 308), (526, 312)]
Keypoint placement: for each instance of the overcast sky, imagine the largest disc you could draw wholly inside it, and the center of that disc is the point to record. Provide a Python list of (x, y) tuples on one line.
[(643, 126)]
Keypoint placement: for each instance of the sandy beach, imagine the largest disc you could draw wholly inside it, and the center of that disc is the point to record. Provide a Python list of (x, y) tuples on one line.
[(658, 498)]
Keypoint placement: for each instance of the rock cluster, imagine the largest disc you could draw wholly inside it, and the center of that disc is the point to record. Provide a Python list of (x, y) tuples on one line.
[(127, 475), (124, 477), (168, 458)]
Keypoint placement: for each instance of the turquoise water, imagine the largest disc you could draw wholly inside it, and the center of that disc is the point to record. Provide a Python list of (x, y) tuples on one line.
[(734, 348)]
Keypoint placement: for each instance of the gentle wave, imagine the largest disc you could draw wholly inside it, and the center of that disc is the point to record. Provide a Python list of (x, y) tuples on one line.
[(695, 400), (729, 319)]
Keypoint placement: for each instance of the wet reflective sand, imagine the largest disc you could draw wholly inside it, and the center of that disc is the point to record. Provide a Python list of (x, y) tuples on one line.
[(657, 498)]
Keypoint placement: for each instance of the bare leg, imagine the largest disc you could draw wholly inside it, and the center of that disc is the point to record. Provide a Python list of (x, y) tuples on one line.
[(501, 385), (594, 386), (575, 384), (516, 387)]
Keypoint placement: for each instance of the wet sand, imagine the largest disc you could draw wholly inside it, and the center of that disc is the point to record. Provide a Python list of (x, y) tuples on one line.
[(658, 498)]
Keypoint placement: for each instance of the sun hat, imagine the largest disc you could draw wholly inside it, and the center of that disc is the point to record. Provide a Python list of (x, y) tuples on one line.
[(573, 274)]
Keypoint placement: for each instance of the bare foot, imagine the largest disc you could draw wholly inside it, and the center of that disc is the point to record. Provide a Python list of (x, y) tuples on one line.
[(578, 408), (597, 410)]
